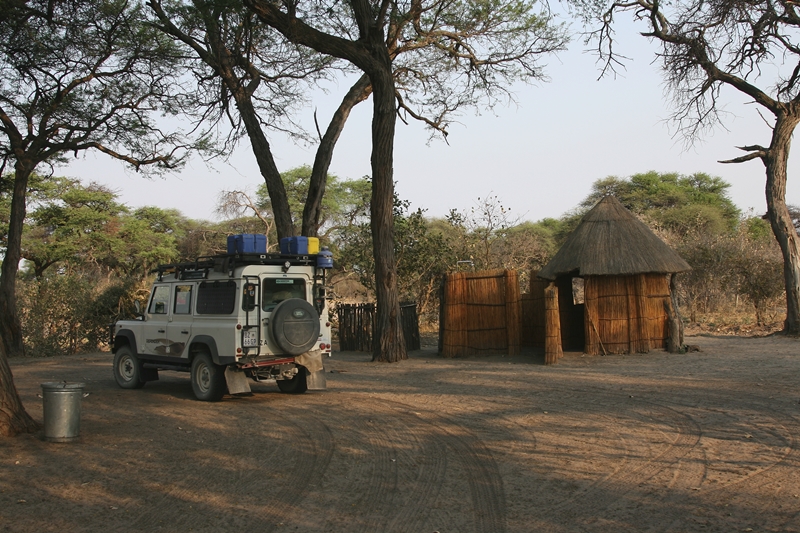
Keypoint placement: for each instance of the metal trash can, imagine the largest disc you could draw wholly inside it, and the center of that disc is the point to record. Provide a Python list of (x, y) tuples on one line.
[(62, 410)]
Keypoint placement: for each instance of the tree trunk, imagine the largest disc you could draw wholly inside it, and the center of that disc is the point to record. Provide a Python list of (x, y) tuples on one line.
[(782, 227), (389, 343), (266, 164), (312, 210), (13, 417), (371, 55), (10, 327)]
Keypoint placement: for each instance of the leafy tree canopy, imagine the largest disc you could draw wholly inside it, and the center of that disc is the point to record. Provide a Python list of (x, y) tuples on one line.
[(672, 201)]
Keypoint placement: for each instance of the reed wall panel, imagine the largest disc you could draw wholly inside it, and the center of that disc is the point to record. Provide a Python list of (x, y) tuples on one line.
[(532, 325), (481, 313), (626, 314)]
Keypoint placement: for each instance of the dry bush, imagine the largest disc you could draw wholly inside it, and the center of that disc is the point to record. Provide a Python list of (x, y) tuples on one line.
[(70, 313), (736, 282)]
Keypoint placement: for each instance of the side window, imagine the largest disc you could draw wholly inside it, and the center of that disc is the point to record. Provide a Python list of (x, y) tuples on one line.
[(276, 290), (183, 300), (159, 303), (216, 297)]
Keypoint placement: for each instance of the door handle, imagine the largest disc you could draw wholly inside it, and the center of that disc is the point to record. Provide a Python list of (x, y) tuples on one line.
[(184, 332), (162, 330)]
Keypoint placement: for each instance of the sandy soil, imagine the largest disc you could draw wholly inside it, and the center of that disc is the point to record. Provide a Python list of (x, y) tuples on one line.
[(706, 441)]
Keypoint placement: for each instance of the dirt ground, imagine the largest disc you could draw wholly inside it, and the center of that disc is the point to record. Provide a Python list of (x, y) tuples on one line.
[(706, 441)]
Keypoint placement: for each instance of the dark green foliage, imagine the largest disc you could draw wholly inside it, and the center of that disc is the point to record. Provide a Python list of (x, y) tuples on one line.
[(672, 201), (76, 226), (423, 254), (346, 202)]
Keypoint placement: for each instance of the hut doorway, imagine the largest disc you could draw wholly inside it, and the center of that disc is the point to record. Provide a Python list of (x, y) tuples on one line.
[(571, 312)]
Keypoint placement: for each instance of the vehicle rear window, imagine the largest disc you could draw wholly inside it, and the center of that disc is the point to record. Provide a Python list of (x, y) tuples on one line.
[(276, 290), (216, 297)]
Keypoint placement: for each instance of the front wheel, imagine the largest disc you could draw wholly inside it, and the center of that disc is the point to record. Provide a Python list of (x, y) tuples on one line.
[(127, 369), (208, 379), (296, 385)]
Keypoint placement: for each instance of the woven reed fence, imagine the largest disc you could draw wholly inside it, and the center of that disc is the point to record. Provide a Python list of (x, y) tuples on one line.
[(357, 326), (620, 314), (626, 314), (480, 313), (532, 325)]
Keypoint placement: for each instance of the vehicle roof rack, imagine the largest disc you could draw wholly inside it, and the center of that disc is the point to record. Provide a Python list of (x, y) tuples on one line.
[(200, 267)]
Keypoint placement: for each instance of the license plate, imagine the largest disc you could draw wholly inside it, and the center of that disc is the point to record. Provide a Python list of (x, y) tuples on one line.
[(250, 338)]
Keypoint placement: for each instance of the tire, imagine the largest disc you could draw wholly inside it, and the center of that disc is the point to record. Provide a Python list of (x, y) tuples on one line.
[(296, 385), (127, 369), (294, 326), (208, 379)]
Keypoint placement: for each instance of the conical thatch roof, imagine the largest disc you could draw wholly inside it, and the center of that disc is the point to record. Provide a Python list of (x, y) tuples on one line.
[(611, 241)]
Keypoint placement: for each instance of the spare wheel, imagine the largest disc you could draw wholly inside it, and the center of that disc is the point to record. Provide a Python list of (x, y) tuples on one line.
[(294, 326)]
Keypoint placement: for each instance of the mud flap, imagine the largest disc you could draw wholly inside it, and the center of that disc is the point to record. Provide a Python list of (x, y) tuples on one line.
[(237, 381), (315, 372), (316, 380), (311, 360)]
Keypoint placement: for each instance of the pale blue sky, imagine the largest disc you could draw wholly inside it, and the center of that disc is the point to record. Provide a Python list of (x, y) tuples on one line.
[(538, 157)]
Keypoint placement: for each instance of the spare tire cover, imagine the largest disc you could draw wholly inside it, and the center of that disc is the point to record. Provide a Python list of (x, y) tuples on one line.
[(294, 326)]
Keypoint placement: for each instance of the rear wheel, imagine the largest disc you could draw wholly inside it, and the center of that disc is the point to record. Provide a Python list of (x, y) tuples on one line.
[(208, 379), (296, 385), (127, 369)]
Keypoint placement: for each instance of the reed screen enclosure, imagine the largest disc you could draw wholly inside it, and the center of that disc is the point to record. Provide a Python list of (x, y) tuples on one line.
[(480, 313)]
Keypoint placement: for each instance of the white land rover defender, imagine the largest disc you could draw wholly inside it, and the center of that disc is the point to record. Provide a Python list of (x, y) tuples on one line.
[(231, 317)]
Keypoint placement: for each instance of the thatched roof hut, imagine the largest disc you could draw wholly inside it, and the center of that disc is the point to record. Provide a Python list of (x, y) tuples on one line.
[(626, 304), (610, 241)]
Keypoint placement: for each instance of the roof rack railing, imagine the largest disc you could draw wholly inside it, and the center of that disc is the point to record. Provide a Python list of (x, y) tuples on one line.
[(229, 262)]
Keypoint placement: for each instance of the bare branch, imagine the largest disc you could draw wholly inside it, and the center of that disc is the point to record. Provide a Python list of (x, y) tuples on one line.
[(756, 152)]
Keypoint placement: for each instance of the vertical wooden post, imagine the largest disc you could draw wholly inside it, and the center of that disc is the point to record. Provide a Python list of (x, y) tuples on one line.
[(674, 321), (552, 340), (643, 344), (513, 311)]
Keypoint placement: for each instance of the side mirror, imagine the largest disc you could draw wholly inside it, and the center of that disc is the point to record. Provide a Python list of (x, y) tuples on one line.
[(137, 308)]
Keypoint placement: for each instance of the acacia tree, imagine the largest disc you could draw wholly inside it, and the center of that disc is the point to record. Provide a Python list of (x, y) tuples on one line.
[(707, 45), (462, 49), (445, 57), (369, 52), (344, 202), (74, 76), (245, 63)]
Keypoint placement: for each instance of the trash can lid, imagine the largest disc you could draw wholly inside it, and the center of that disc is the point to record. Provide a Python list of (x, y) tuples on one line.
[(55, 385)]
